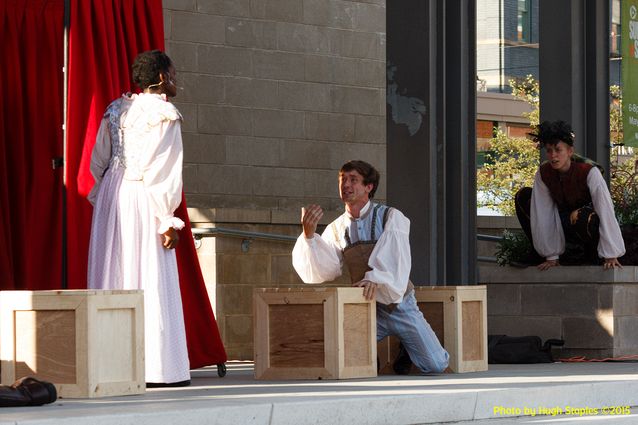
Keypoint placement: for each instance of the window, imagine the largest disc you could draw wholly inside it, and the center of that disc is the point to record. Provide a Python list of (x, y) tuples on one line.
[(614, 37), (524, 21)]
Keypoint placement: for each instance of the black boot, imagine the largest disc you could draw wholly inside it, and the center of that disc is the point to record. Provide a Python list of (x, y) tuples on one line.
[(402, 364), (168, 384), (27, 392)]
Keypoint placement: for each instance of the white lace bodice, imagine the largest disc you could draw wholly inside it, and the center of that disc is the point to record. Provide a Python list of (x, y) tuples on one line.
[(130, 119)]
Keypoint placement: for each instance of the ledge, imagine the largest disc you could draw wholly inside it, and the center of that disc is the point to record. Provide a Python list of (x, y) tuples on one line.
[(561, 275), (205, 216)]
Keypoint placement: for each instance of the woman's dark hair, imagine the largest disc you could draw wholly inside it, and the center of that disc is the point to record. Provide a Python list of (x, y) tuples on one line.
[(552, 132), (369, 173), (148, 66)]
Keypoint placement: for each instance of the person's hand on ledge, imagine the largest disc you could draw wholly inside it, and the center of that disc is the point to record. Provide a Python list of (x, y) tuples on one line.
[(548, 264), (611, 263), (369, 288)]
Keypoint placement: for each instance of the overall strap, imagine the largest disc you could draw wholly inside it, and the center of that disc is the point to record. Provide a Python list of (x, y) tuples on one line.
[(374, 222), (386, 213)]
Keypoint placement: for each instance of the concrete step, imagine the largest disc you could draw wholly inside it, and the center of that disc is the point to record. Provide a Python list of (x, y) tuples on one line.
[(498, 393)]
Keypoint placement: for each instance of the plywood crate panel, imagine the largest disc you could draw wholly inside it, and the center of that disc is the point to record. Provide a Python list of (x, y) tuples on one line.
[(314, 333), (88, 343), (458, 317)]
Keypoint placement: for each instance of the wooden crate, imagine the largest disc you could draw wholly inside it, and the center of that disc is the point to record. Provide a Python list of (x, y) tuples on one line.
[(314, 333), (458, 316), (88, 343)]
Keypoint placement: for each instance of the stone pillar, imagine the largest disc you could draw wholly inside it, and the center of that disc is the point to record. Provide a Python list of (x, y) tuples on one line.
[(574, 71), (431, 96)]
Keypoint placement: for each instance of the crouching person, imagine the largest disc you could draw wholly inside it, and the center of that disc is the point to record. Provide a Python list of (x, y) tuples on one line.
[(373, 241), (570, 205)]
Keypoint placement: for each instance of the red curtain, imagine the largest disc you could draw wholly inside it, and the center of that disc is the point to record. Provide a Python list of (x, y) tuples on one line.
[(31, 36), (105, 37)]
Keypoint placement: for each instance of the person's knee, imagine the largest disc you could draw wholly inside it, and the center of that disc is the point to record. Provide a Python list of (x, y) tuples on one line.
[(523, 194), (432, 362), (440, 363)]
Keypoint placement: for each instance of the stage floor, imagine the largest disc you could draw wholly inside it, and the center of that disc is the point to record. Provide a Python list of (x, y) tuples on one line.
[(596, 390)]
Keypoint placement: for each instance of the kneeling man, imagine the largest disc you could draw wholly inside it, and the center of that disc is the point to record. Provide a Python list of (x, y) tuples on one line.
[(373, 241)]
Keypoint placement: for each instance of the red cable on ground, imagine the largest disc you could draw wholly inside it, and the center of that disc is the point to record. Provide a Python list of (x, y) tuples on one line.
[(583, 359)]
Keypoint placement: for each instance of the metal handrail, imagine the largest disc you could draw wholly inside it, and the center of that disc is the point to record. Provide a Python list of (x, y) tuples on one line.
[(204, 232), (201, 232), (489, 238), (486, 259)]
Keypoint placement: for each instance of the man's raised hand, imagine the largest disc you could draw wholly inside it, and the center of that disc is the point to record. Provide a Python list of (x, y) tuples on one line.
[(310, 217)]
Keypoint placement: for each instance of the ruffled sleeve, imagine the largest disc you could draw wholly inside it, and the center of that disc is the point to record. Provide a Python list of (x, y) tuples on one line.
[(162, 174), (547, 231), (318, 259), (610, 244), (100, 158), (391, 260)]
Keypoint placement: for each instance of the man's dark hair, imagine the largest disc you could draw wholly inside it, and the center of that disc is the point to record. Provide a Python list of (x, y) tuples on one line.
[(552, 132), (148, 66), (369, 173)]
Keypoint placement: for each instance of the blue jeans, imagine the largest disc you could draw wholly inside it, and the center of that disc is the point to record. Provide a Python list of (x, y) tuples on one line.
[(407, 323)]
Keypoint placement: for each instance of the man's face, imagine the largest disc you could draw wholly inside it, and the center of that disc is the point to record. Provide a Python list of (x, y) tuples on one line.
[(351, 188)]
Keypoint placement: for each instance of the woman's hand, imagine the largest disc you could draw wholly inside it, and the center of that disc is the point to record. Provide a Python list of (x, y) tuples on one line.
[(171, 238), (548, 264), (611, 263)]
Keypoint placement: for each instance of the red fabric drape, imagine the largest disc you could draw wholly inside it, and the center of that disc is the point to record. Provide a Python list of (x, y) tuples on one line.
[(105, 37), (31, 36)]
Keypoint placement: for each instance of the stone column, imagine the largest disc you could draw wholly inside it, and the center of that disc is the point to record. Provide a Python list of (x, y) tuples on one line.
[(574, 71), (431, 96)]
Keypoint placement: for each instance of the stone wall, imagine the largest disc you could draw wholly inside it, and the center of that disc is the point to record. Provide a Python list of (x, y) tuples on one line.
[(593, 310), (276, 95)]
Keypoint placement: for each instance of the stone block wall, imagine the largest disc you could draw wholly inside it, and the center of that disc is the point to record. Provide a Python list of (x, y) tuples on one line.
[(276, 95), (593, 310)]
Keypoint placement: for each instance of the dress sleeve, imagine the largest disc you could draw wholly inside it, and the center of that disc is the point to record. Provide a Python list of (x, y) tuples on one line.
[(163, 174), (100, 158), (390, 260), (611, 244), (318, 259), (547, 231)]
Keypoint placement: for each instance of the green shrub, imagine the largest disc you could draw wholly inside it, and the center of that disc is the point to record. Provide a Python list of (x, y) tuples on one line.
[(513, 248)]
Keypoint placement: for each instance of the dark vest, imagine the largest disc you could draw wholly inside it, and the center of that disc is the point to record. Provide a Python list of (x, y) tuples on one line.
[(569, 191)]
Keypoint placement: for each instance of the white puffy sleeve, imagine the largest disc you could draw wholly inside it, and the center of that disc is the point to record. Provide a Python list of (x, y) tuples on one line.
[(390, 259), (318, 259), (162, 173), (610, 244), (547, 231), (100, 158)]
